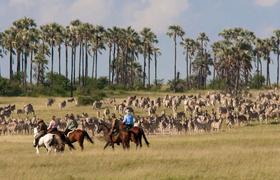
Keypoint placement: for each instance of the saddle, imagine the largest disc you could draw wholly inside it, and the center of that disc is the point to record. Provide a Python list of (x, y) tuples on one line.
[(68, 134)]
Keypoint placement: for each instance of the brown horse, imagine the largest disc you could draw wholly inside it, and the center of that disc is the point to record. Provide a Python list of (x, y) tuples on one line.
[(122, 137), (79, 135)]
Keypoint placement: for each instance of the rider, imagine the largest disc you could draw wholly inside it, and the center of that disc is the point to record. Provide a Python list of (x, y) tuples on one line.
[(71, 124), (42, 130), (128, 119), (53, 125)]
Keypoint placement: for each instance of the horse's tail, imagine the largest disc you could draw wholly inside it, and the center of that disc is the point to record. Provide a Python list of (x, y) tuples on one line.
[(87, 136), (144, 136), (67, 141)]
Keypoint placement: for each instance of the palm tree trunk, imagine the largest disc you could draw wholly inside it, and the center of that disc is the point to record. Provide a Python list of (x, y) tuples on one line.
[(149, 69), (278, 52), (187, 66), (190, 71), (109, 75), (18, 61), (59, 59), (96, 54), (155, 68), (52, 59), (267, 72), (31, 67), (144, 70), (113, 63), (11, 63), (80, 56), (83, 66), (93, 57), (74, 63), (25, 67), (214, 69), (66, 61), (72, 68), (86, 62), (175, 59)]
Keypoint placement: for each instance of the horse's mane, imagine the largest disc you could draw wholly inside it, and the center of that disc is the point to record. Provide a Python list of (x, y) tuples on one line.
[(105, 124)]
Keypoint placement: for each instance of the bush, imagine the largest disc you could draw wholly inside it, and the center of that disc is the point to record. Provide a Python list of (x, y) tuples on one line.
[(88, 100), (10, 88), (179, 86), (217, 84), (56, 85), (257, 81)]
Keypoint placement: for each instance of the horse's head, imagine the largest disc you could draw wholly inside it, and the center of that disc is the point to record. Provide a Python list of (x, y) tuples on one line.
[(100, 127)]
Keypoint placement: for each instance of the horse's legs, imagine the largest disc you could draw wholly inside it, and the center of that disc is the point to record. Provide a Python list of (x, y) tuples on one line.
[(37, 150), (140, 140), (81, 143), (106, 145)]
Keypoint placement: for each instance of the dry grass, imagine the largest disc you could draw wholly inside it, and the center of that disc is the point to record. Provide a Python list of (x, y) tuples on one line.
[(245, 153)]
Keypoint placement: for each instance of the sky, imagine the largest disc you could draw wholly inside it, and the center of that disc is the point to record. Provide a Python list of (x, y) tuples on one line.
[(195, 16)]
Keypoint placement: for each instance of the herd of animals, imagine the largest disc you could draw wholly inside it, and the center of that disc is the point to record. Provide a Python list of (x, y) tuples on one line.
[(160, 115)]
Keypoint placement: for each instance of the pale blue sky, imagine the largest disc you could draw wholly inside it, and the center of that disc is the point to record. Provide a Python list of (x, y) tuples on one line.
[(210, 16)]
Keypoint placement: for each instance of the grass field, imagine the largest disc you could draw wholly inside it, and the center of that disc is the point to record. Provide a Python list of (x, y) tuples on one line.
[(250, 152)]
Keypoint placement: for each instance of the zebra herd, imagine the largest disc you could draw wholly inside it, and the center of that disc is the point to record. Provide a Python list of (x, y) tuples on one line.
[(162, 115)]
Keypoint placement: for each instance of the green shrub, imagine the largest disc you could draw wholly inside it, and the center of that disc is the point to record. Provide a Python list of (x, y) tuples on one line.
[(257, 81), (88, 100), (10, 88), (217, 84)]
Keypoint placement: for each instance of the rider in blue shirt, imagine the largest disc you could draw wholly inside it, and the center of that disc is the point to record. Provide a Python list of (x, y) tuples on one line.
[(128, 119)]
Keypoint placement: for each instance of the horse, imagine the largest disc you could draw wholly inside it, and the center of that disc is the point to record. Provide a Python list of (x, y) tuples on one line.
[(51, 142), (79, 135), (122, 137)]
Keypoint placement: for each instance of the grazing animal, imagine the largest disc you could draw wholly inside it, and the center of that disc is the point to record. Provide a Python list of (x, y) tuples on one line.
[(28, 108), (62, 105), (50, 102)]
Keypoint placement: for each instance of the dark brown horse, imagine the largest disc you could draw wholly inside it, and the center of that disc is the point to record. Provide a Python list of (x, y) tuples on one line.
[(79, 135), (122, 136)]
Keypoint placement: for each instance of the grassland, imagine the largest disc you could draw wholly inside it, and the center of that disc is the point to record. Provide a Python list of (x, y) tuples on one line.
[(250, 152)]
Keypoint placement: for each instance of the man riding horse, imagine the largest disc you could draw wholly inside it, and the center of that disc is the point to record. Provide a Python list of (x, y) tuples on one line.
[(42, 130), (53, 125), (71, 124), (129, 119)]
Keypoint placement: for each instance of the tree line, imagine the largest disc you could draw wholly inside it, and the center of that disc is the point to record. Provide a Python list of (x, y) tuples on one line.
[(229, 60)]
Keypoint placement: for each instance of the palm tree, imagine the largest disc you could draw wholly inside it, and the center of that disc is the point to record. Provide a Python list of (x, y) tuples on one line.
[(156, 54), (50, 35), (40, 61), (189, 46), (175, 31), (7, 42), (148, 39), (276, 49), (97, 45), (266, 50)]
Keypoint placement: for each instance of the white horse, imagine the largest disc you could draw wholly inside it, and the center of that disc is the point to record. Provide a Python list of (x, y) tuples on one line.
[(47, 140)]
